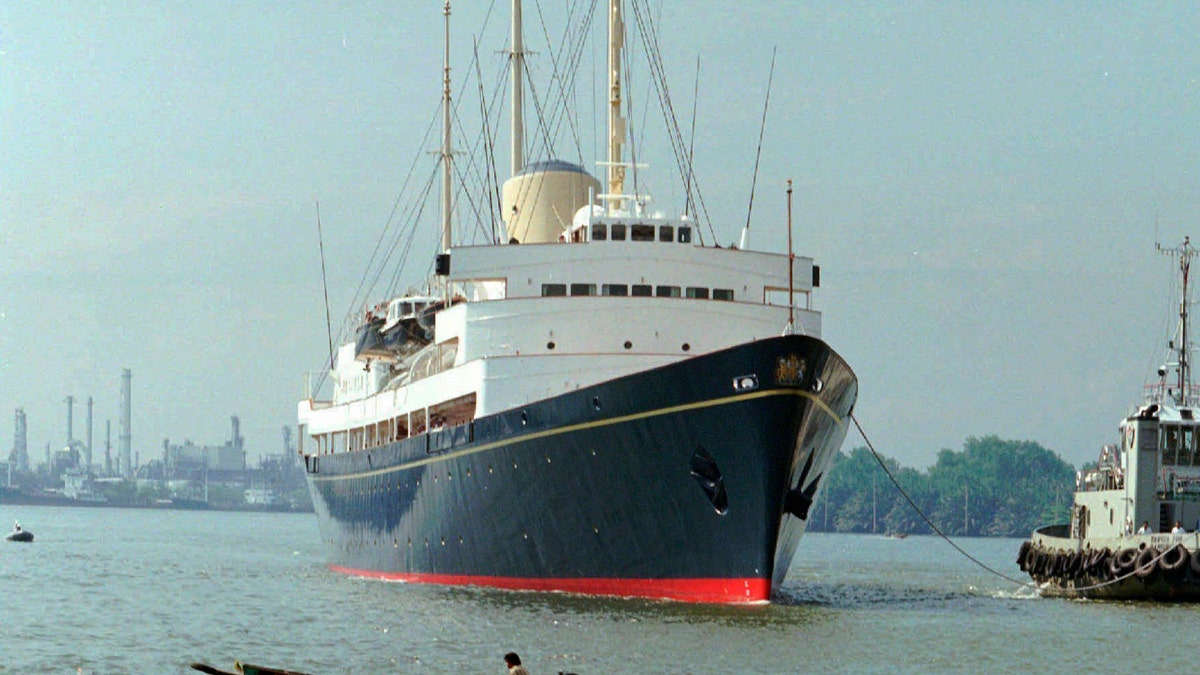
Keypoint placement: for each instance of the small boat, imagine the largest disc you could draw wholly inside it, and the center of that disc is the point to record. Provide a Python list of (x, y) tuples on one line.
[(1150, 476), (19, 534), (240, 668)]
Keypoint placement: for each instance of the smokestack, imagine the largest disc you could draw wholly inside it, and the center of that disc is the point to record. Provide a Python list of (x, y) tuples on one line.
[(125, 439), (70, 421), (108, 448), (20, 452), (237, 426), (89, 436)]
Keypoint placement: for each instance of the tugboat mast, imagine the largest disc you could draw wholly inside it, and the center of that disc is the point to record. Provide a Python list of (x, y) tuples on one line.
[(1182, 349)]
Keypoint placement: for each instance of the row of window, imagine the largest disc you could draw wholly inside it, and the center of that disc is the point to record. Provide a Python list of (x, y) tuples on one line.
[(619, 231), (638, 290)]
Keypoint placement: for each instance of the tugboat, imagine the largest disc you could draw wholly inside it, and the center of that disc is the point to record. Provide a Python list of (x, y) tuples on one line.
[(1127, 539)]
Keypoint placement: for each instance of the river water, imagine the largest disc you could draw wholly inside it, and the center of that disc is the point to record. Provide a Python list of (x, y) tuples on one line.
[(146, 591)]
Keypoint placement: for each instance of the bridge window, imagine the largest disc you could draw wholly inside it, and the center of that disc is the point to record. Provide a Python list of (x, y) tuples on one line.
[(666, 233), (667, 291), (553, 290), (599, 231), (696, 292), (618, 232), (722, 294), (641, 290), (583, 289), (641, 232), (685, 235), (614, 289), (1170, 444)]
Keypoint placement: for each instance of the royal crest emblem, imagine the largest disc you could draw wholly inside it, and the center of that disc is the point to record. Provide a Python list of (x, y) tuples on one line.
[(789, 370)]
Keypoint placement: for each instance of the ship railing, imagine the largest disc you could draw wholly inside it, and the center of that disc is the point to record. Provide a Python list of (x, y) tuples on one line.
[(1162, 391), (318, 388)]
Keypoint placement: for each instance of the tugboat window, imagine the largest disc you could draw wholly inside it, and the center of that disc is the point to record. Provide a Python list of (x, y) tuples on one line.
[(553, 290), (1170, 444), (641, 232), (618, 232), (599, 232)]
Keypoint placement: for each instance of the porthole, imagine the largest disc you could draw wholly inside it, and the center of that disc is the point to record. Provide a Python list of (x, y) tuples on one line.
[(628, 344), (524, 418), (550, 345), (595, 402), (687, 347)]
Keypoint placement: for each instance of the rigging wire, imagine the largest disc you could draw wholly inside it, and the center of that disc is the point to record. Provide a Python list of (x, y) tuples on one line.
[(691, 163), (649, 35), (325, 284), (761, 129)]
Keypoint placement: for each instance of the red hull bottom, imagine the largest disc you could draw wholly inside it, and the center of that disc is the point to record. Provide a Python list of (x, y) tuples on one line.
[(722, 591)]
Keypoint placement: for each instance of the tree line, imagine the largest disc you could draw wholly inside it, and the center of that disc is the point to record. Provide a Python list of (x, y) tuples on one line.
[(992, 488)]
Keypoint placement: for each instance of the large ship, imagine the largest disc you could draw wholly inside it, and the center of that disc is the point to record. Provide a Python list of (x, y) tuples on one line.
[(601, 403), (1133, 529)]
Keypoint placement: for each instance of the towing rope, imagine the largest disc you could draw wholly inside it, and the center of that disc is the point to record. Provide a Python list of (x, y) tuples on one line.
[(925, 518)]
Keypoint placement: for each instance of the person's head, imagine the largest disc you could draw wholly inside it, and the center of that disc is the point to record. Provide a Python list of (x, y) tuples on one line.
[(511, 659)]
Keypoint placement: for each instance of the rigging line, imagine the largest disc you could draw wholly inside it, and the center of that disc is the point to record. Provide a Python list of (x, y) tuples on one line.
[(691, 166), (761, 128), (921, 513), (489, 152), (566, 72), (361, 292), (419, 209), (574, 61), (682, 160), (325, 284)]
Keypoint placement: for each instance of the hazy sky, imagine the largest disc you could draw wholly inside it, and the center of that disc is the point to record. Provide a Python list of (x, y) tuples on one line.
[(982, 185)]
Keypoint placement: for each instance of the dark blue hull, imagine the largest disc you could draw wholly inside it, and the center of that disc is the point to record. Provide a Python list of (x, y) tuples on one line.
[(690, 481)]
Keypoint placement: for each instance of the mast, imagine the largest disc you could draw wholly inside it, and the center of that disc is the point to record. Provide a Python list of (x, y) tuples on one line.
[(1183, 349), (616, 123), (518, 91), (446, 168)]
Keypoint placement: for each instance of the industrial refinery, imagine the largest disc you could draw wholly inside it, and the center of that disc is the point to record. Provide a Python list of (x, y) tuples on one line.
[(176, 475)]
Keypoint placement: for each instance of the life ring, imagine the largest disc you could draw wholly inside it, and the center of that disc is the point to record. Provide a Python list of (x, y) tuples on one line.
[(1122, 563), (1146, 568), (1174, 561)]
